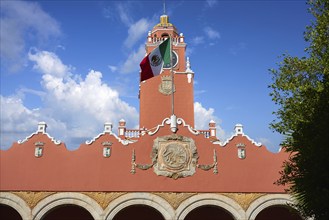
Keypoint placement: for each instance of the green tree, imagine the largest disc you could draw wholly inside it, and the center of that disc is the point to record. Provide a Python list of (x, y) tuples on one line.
[(300, 88)]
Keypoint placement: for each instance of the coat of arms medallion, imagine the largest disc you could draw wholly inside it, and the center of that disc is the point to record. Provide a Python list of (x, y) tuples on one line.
[(166, 85), (174, 156)]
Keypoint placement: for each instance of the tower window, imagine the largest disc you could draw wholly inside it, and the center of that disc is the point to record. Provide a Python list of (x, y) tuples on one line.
[(165, 35)]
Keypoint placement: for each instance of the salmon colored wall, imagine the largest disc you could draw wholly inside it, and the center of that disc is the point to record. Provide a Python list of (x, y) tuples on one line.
[(86, 169), (155, 106)]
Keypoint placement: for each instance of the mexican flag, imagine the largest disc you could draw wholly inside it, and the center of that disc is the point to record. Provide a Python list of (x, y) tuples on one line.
[(152, 64)]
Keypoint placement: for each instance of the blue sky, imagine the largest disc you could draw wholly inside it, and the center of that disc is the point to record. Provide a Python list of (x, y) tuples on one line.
[(75, 64)]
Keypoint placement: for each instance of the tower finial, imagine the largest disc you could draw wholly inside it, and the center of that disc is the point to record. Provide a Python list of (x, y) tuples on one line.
[(164, 7)]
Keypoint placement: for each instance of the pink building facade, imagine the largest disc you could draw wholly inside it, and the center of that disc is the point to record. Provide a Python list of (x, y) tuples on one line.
[(166, 169)]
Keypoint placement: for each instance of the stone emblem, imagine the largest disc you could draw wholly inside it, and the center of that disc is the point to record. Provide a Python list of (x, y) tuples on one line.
[(174, 156), (166, 85)]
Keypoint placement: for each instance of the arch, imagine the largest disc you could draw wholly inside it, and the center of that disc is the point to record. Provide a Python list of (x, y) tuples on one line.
[(147, 199), (16, 203), (67, 198), (68, 211), (207, 199), (266, 201), (208, 212), (138, 211)]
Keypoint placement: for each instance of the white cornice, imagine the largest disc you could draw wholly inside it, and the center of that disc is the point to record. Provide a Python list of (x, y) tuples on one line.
[(122, 141), (223, 144), (164, 121), (57, 142), (192, 130)]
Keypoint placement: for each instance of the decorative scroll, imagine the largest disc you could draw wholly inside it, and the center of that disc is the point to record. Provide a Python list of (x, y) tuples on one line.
[(210, 166), (192, 130), (139, 166), (144, 166)]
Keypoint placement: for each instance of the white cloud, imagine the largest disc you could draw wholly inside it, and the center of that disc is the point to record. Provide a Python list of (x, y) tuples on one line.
[(75, 108), (119, 11), (234, 50), (211, 3), (48, 63), (113, 68), (133, 60), (197, 40), (203, 116), (16, 120), (136, 31), (211, 33), (131, 64), (124, 14), (19, 18)]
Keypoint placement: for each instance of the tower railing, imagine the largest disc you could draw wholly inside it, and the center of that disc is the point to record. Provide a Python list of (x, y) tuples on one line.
[(136, 133)]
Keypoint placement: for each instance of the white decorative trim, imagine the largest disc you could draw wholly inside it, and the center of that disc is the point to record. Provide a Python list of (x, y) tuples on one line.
[(122, 141), (207, 199), (16, 203), (57, 142), (167, 121), (237, 133), (258, 144), (147, 199), (192, 130)]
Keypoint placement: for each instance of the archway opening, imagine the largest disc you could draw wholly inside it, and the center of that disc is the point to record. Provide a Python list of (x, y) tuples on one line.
[(7, 212), (209, 213), (72, 212), (138, 212), (278, 212)]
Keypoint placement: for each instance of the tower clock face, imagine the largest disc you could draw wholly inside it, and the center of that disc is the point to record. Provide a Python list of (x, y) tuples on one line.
[(174, 61)]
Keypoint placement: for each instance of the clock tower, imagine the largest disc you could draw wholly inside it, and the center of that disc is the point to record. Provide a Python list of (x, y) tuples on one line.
[(156, 93)]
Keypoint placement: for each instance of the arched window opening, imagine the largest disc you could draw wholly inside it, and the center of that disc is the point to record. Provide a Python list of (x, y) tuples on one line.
[(138, 212), (278, 212), (72, 212), (209, 213), (9, 213), (165, 35)]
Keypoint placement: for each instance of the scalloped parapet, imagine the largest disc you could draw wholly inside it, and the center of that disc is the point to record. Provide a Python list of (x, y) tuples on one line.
[(41, 129), (238, 131), (108, 130)]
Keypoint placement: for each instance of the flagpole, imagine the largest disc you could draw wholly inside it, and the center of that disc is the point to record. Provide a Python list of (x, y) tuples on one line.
[(172, 79), (173, 119)]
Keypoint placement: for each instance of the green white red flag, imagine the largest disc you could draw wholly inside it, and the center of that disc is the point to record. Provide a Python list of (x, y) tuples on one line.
[(153, 63)]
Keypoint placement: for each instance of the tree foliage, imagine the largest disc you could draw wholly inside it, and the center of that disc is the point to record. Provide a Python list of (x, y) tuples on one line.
[(301, 89)]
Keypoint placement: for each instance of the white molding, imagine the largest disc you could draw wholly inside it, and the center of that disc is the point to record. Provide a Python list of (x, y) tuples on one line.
[(192, 130), (164, 121), (223, 144), (57, 142), (167, 121), (122, 141)]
